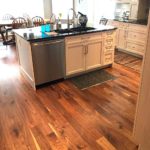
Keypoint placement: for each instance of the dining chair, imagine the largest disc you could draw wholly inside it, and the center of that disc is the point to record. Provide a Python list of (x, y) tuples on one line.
[(25, 15), (28, 19), (103, 21), (2, 33), (8, 17), (19, 22), (37, 21), (8, 28)]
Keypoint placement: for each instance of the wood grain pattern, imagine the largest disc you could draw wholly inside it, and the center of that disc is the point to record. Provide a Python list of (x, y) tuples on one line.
[(105, 144), (128, 60), (62, 117)]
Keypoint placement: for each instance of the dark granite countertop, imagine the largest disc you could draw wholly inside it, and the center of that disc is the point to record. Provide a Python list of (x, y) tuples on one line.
[(140, 22), (35, 34)]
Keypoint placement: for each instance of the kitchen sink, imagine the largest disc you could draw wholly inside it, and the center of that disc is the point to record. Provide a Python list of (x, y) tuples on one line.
[(77, 29)]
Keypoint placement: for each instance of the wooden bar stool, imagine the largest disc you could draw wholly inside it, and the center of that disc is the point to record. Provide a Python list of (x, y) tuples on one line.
[(37, 21)]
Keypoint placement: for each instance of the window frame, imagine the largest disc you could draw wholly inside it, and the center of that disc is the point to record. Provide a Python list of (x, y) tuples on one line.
[(74, 7)]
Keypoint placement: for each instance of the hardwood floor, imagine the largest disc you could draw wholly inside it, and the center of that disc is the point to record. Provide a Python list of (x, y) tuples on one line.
[(128, 60), (62, 117)]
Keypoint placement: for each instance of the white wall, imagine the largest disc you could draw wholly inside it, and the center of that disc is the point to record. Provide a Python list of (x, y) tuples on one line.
[(142, 117), (18, 7), (47, 4), (95, 9)]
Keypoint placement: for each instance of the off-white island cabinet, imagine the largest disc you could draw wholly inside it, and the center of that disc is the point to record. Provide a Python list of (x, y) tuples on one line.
[(45, 58), (88, 52)]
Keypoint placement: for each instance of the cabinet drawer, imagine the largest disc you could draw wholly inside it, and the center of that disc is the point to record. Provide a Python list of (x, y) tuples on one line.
[(109, 44), (113, 23), (109, 41), (136, 36), (109, 48), (91, 37), (83, 38), (109, 35), (138, 28), (137, 48), (108, 57), (73, 40)]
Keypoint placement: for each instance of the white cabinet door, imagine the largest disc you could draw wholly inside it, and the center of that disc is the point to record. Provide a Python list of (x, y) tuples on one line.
[(75, 59), (93, 54), (134, 1), (134, 11), (122, 33)]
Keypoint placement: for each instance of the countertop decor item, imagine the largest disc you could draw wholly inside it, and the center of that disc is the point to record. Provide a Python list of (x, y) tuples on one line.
[(83, 19)]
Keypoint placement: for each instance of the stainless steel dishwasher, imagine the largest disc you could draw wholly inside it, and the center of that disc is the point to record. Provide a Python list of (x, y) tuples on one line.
[(48, 61)]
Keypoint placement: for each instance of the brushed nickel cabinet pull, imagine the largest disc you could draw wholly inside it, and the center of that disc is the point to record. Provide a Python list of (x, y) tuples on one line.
[(47, 43), (87, 50), (84, 49), (109, 40)]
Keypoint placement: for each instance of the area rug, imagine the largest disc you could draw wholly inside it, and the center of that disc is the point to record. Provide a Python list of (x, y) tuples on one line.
[(91, 79)]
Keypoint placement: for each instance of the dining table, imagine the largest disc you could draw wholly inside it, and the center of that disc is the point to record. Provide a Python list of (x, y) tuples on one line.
[(4, 24)]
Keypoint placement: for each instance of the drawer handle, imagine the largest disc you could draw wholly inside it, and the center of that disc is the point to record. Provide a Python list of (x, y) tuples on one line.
[(84, 38), (109, 40), (109, 37), (84, 48), (109, 33), (108, 47), (109, 43)]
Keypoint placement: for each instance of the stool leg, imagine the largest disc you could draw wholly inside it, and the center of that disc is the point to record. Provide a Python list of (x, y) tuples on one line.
[(6, 35)]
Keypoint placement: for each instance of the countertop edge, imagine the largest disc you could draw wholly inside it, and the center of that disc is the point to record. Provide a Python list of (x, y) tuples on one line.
[(134, 22), (60, 36)]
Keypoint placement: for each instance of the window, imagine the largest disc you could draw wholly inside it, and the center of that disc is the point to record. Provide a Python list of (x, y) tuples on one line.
[(19, 7), (103, 9), (95, 9), (62, 7)]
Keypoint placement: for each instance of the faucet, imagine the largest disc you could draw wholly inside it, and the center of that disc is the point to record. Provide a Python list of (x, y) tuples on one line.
[(75, 18), (53, 19)]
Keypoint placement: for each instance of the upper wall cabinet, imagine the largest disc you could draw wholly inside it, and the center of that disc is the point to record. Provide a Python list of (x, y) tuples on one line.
[(138, 9), (134, 11), (123, 1), (127, 1), (134, 1)]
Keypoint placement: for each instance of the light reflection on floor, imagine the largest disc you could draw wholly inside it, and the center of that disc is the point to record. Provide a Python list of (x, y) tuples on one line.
[(7, 69), (3, 52)]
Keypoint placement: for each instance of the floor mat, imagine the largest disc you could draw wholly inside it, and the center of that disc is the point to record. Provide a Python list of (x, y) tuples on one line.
[(91, 79)]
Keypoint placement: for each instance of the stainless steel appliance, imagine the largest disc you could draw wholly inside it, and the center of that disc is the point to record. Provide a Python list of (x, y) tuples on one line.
[(48, 60)]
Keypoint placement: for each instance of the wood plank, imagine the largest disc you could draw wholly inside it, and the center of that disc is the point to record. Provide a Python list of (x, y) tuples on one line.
[(105, 144), (60, 116)]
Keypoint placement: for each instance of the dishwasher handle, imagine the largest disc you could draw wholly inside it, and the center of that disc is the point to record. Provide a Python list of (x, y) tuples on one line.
[(47, 43)]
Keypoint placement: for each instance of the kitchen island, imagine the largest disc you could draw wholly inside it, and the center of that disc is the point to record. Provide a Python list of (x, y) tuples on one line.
[(49, 56)]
